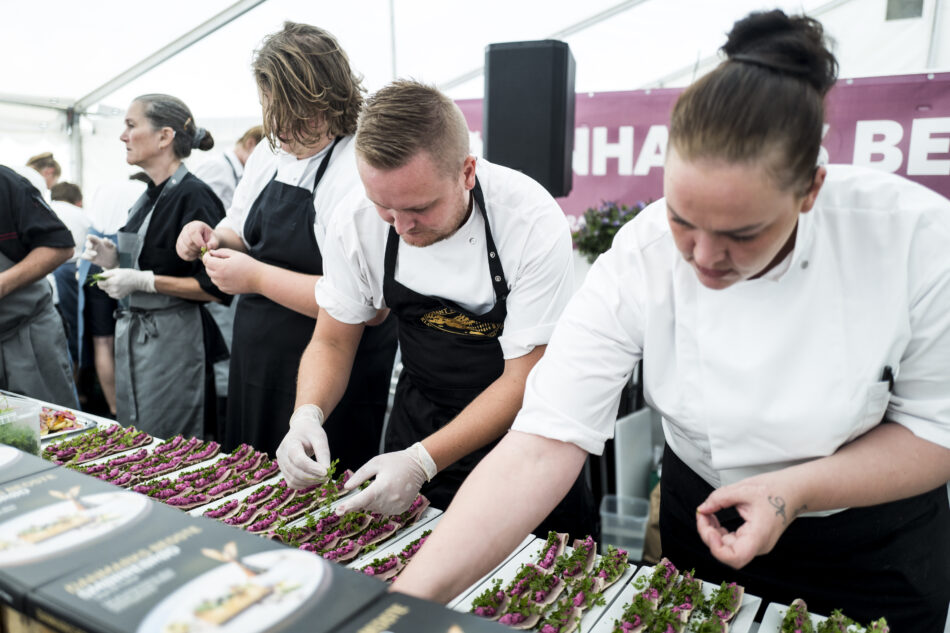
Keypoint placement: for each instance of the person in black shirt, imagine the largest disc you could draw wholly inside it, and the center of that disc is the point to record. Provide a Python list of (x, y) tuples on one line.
[(165, 341), (33, 242)]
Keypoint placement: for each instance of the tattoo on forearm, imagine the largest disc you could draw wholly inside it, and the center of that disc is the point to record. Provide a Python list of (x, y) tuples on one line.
[(779, 504)]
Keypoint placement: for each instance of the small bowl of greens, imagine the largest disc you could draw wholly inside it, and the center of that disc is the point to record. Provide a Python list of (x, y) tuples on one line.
[(20, 424)]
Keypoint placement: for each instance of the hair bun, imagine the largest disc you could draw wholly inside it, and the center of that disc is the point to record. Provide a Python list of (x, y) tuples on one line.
[(200, 133), (791, 45)]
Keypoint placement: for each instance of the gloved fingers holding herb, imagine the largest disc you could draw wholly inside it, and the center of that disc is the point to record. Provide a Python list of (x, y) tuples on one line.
[(306, 437), (101, 251), (398, 476), (118, 283), (196, 238)]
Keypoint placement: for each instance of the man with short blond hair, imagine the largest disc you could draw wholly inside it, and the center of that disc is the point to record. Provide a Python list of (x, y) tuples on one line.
[(475, 263)]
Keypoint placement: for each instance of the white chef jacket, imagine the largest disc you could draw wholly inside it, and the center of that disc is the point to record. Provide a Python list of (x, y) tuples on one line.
[(222, 172), (528, 228), (110, 204), (339, 180), (75, 220), (771, 371)]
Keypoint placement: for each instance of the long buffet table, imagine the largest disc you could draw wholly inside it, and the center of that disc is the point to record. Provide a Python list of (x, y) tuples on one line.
[(80, 554)]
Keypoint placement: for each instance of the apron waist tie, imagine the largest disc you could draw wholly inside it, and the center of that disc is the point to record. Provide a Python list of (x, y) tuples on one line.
[(146, 319)]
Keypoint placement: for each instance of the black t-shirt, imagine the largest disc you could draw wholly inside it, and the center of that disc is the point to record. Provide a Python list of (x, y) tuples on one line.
[(190, 200), (26, 221)]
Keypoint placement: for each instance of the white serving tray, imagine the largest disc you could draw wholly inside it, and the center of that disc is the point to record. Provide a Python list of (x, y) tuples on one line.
[(741, 623), (775, 613), (531, 554), (470, 593), (426, 521)]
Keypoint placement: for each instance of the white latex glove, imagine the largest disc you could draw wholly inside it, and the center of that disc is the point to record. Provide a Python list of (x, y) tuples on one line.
[(101, 251), (399, 476), (306, 437), (121, 282)]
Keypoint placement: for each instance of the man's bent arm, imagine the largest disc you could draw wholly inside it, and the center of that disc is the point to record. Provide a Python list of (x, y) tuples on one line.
[(505, 497), (326, 362)]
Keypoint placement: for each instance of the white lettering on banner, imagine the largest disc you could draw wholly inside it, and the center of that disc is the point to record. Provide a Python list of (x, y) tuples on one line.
[(923, 143), (653, 152), (867, 144), (621, 150), (580, 161)]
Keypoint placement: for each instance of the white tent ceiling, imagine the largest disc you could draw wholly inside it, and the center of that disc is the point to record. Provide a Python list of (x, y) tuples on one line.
[(67, 50)]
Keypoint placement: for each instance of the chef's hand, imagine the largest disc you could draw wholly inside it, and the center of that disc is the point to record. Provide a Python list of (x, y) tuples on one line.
[(121, 282), (306, 437), (101, 251), (193, 237), (399, 476), (233, 272), (767, 512)]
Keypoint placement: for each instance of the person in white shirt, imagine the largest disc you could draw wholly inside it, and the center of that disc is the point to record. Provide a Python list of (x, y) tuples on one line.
[(475, 261), (794, 323), (268, 248), (67, 204), (222, 172)]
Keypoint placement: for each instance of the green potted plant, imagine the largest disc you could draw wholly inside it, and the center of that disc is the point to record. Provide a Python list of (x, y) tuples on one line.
[(598, 226)]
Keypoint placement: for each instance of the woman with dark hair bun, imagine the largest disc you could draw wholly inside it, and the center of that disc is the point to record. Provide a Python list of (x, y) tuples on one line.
[(165, 341), (794, 323)]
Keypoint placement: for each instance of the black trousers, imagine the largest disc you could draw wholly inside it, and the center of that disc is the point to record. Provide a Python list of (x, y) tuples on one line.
[(891, 560)]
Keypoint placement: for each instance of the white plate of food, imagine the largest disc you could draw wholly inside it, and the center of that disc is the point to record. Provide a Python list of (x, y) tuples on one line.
[(58, 422), (75, 522), (244, 594)]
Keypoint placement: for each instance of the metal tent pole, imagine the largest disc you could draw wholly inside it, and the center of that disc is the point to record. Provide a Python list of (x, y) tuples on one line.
[(196, 34)]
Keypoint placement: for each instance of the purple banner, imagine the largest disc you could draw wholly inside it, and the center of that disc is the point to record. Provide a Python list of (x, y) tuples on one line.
[(898, 124)]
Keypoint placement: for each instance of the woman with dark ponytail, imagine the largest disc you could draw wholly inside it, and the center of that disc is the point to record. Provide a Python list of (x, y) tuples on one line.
[(794, 323), (165, 341)]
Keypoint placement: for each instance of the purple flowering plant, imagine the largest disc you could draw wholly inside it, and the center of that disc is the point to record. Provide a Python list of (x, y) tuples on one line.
[(595, 230)]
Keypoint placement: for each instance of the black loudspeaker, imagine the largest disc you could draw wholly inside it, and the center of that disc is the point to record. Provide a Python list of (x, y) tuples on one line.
[(528, 110)]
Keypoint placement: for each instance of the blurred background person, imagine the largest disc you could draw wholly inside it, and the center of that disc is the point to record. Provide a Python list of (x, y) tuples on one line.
[(222, 172), (42, 171), (108, 210), (34, 360), (165, 341), (67, 205)]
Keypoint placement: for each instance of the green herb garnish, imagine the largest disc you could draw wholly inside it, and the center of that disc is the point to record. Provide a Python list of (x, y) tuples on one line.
[(96, 278)]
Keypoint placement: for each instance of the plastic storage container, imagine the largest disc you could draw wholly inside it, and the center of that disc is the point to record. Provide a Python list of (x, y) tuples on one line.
[(623, 523), (20, 424)]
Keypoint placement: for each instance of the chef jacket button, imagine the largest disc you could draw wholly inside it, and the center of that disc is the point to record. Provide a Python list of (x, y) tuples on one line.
[(472, 241), (497, 277), (492, 254), (805, 264)]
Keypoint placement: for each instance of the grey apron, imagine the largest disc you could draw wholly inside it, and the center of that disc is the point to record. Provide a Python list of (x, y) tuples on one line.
[(159, 348), (33, 356)]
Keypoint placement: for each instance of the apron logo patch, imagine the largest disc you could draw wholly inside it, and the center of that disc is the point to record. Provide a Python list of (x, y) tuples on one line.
[(448, 320)]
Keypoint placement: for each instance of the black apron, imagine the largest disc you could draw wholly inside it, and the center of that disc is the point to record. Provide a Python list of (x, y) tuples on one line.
[(890, 560), (269, 340), (449, 357)]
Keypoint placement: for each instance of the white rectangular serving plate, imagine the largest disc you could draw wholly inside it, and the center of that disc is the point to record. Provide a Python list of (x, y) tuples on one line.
[(741, 623)]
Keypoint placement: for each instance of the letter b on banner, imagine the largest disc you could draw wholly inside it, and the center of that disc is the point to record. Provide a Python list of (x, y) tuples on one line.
[(528, 115)]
